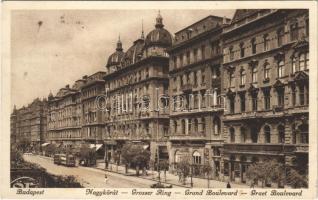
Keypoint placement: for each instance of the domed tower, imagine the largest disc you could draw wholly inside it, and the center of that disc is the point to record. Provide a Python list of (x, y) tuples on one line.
[(158, 40), (114, 60), (135, 52)]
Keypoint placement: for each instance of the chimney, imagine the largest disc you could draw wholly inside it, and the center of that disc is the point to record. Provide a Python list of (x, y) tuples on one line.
[(85, 77), (67, 86), (225, 20)]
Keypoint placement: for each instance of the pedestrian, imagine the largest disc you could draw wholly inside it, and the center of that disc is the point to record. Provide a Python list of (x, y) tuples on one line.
[(106, 178), (228, 185)]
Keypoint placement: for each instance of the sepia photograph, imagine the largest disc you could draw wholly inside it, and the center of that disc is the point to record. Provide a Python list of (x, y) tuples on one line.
[(210, 101)]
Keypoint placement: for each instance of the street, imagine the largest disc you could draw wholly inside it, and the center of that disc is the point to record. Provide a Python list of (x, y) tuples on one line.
[(90, 177)]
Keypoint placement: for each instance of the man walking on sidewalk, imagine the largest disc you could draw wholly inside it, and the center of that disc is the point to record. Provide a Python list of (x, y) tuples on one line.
[(106, 178)]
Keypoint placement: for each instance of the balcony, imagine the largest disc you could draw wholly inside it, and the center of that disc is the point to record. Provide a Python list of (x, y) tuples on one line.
[(186, 87), (301, 148), (255, 148), (187, 137), (216, 82)]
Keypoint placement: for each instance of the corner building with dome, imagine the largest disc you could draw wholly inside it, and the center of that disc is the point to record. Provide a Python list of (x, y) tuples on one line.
[(136, 84)]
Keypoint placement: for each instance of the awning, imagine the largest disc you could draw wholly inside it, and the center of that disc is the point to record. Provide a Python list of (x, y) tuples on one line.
[(45, 144), (98, 146), (145, 146)]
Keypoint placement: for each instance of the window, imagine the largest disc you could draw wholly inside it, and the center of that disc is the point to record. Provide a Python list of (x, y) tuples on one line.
[(293, 91), (304, 133), (231, 53), (294, 70), (267, 133), (196, 158), (242, 50), (254, 101), (254, 134), (302, 62), (175, 62), (203, 76), (195, 55), (280, 37), (301, 95), (266, 42), (242, 98), (281, 134), (267, 99), (195, 80), (253, 44), (188, 57), (266, 71), (196, 126), (280, 97), (254, 74), (232, 104), (232, 135), (243, 135), (183, 126), (203, 52), (203, 124), (217, 126), (181, 60), (243, 77), (307, 61), (294, 31), (232, 79), (281, 69), (307, 27)]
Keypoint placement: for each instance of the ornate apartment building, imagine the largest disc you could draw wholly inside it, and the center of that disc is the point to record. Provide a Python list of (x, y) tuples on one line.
[(92, 118), (136, 86), (195, 88), (64, 119), (265, 77), (29, 123)]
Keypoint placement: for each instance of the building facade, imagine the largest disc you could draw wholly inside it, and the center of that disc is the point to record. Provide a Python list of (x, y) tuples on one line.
[(28, 124), (136, 84), (265, 71), (195, 88), (65, 117)]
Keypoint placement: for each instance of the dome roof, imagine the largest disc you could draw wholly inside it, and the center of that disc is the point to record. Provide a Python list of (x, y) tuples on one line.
[(159, 36), (116, 57), (134, 53)]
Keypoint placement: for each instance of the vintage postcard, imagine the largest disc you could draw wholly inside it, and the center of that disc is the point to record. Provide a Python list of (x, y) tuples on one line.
[(159, 100)]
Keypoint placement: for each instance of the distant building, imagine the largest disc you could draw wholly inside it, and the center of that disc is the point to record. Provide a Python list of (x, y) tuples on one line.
[(134, 81), (195, 87), (265, 77), (28, 124)]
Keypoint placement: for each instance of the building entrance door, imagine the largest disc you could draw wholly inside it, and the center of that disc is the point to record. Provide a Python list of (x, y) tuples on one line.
[(243, 173)]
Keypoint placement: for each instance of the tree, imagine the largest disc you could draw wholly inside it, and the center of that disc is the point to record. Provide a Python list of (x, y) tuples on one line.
[(24, 144), (183, 169), (87, 155), (297, 180), (164, 165), (207, 169), (267, 171), (134, 155), (50, 149)]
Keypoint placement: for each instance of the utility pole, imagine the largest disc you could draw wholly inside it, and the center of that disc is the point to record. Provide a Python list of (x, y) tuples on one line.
[(158, 165)]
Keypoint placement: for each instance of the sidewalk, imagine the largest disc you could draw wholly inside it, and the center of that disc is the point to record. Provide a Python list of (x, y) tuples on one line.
[(170, 178)]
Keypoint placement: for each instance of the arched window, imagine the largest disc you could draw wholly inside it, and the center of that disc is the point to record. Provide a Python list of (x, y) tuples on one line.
[(196, 158), (294, 69), (183, 126), (232, 135), (254, 74), (242, 77), (175, 126), (254, 134), (281, 69), (203, 124), (177, 157), (232, 79), (217, 126), (243, 135), (304, 134), (266, 42), (242, 49), (302, 62), (267, 133), (294, 134), (189, 125), (281, 134), (231, 53), (266, 71)]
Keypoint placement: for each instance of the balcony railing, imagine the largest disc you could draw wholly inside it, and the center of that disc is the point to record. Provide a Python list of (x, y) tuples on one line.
[(259, 148), (302, 148), (187, 137), (186, 87)]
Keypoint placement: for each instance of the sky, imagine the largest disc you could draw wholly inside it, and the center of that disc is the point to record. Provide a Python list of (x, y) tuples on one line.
[(53, 48)]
